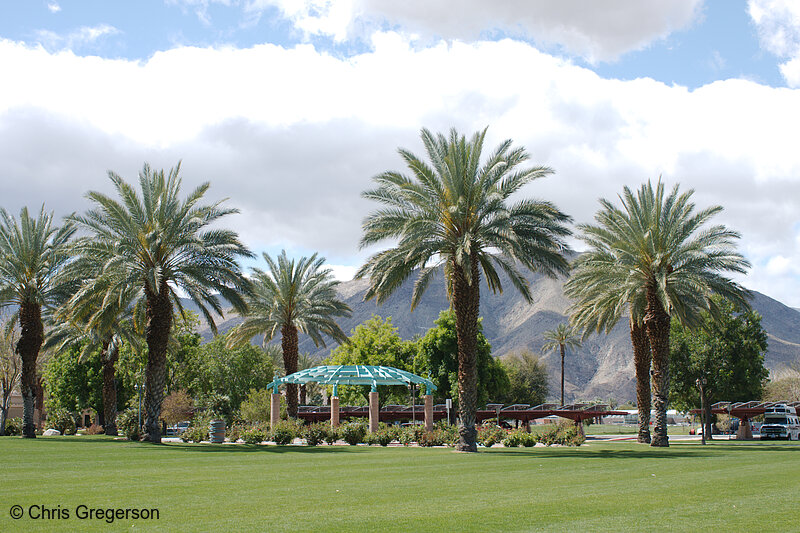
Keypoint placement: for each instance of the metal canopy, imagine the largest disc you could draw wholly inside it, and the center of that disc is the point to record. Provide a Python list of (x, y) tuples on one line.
[(353, 375)]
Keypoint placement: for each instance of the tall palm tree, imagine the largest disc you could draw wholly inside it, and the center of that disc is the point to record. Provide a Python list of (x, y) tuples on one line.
[(293, 296), (33, 253), (97, 319), (675, 261), (160, 243), (596, 285), (455, 212), (562, 337)]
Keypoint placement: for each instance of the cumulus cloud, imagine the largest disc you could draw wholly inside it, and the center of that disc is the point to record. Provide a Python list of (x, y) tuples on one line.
[(53, 7), (293, 135), (597, 31), (778, 25)]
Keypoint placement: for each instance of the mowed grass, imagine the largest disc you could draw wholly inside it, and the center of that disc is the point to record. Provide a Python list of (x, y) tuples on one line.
[(597, 487)]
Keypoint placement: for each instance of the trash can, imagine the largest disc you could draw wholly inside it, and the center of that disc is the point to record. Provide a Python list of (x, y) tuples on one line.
[(216, 431)]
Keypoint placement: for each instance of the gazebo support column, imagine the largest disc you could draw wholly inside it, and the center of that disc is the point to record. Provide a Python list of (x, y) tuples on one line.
[(744, 432), (274, 409), (428, 412), (335, 407), (374, 412)]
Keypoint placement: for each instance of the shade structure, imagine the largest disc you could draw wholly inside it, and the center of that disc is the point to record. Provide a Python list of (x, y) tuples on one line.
[(353, 375)]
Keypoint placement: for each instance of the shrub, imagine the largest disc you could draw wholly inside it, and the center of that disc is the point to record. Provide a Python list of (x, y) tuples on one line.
[(62, 420), (198, 429), (255, 434), (255, 408), (177, 407), (384, 436), (315, 434), (331, 434), (234, 431), (564, 433), (371, 439), (488, 436), (13, 426), (128, 424), (94, 429), (519, 437), (434, 438), (284, 432), (353, 432), (449, 434)]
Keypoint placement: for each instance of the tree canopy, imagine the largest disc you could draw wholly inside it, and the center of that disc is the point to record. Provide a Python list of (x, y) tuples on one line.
[(727, 350)]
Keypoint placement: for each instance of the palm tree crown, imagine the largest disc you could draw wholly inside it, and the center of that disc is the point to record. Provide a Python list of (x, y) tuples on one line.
[(669, 262), (561, 338), (33, 253), (293, 295), (160, 243), (455, 212)]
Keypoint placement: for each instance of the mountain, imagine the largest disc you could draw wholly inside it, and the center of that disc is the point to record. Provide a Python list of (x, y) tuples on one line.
[(601, 368)]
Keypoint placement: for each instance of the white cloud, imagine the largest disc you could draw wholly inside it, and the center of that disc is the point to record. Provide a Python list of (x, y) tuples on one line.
[(597, 31), (83, 36), (293, 136), (53, 7), (778, 25)]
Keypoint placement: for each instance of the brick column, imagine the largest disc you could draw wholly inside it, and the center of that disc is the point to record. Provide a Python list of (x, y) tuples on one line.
[(428, 412), (744, 432), (274, 409), (374, 413), (334, 411)]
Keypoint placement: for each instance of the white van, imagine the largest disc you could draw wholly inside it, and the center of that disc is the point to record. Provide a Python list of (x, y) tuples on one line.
[(780, 422)]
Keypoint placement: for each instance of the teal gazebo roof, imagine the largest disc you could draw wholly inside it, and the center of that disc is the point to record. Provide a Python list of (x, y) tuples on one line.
[(353, 375)]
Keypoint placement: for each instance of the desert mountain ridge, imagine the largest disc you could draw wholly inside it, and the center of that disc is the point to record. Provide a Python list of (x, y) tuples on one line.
[(601, 368)]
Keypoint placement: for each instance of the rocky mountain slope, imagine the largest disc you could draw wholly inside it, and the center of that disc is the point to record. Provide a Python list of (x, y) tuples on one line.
[(601, 368)]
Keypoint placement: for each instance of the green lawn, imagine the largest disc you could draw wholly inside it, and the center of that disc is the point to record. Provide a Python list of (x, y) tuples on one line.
[(597, 487)]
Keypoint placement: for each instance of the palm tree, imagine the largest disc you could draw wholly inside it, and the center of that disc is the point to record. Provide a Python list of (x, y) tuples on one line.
[(561, 338), (293, 296), (454, 212), (97, 319), (597, 285), (673, 264), (33, 253), (159, 243)]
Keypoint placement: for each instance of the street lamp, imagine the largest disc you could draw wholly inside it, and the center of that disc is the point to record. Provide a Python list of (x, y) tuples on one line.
[(701, 383)]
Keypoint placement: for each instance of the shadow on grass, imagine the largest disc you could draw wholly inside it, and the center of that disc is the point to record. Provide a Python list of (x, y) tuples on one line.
[(675, 451)]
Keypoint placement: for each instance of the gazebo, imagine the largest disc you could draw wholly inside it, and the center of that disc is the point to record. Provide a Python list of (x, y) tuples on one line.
[(354, 375)]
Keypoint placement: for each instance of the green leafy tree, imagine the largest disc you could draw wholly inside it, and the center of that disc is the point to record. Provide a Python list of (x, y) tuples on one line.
[(437, 358), (74, 383), (375, 342), (785, 389), (527, 377), (98, 320), (159, 242), (293, 296), (727, 350), (230, 372), (561, 338), (671, 257), (33, 253), (10, 369), (454, 211)]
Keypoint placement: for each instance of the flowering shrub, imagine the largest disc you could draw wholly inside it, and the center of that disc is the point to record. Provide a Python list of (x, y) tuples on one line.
[(284, 432), (353, 432), (315, 433), (490, 435)]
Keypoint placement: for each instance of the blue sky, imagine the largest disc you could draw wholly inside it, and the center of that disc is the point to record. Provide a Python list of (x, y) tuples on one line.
[(290, 107)]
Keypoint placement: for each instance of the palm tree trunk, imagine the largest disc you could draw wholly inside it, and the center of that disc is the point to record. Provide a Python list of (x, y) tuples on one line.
[(30, 341), (466, 301), (159, 322), (110, 389), (641, 361), (303, 393), (562, 374), (656, 320), (290, 354)]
